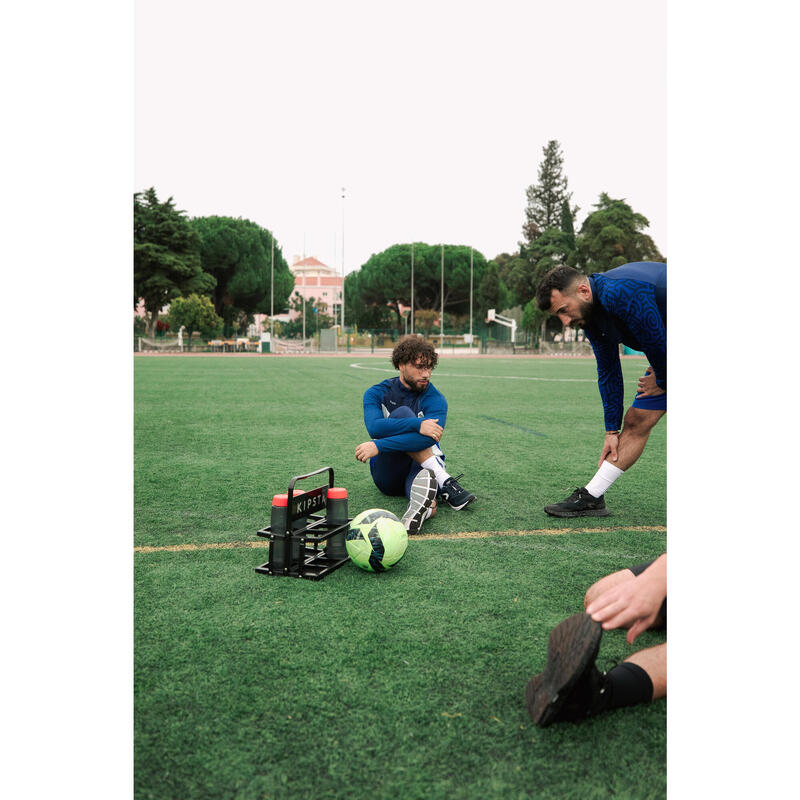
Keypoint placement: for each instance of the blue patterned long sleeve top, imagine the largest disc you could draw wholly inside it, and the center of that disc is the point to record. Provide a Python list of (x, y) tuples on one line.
[(630, 308), (401, 435)]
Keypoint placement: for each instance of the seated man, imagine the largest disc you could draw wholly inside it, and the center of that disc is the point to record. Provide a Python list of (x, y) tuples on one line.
[(405, 416), (571, 687)]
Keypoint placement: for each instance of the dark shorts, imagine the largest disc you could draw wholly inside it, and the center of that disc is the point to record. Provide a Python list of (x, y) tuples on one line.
[(661, 625), (393, 473), (657, 403)]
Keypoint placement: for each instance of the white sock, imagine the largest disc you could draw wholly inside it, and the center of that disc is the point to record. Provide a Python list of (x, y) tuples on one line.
[(603, 479), (436, 465)]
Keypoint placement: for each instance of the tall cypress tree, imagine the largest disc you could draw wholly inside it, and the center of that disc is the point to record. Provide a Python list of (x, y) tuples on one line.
[(547, 196), (568, 225)]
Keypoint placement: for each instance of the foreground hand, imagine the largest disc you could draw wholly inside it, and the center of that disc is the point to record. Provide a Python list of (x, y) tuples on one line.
[(647, 386), (430, 427), (610, 444), (366, 450), (633, 604)]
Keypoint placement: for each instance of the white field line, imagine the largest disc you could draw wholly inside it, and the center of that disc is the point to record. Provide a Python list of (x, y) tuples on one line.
[(484, 377), (175, 548)]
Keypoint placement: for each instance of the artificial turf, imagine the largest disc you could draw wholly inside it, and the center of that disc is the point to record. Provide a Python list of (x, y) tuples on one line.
[(407, 684)]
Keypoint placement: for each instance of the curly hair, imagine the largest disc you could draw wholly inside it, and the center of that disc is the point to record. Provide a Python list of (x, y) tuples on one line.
[(414, 350), (561, 278)]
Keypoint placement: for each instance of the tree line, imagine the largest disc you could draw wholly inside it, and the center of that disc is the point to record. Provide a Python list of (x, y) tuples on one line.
[(611, 235), (216, 271)]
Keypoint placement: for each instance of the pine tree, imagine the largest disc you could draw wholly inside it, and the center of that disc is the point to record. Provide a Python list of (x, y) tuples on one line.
[(613, 235), (166, 261), (546, 198), (239, 253), (568, 225)]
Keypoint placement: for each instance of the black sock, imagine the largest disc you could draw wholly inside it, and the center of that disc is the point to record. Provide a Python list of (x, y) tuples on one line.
[(629, 685)]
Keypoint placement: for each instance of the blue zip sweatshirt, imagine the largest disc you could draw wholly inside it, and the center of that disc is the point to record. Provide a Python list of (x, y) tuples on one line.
[(630, 308), (401, 435)]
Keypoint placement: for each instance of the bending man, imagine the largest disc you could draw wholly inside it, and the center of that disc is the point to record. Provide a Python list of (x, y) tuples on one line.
[(405, 416), (626, 305)]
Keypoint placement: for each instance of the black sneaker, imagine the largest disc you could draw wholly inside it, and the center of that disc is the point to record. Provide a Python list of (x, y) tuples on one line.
[(454, 494), (423, 492), (571, 687), (579, 504)]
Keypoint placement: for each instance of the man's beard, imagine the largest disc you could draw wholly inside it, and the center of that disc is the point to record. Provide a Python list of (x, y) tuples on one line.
[(586, 308), (415, 386)]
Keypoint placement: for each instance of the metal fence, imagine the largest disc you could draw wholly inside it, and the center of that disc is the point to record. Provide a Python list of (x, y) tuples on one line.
[(331, 340)]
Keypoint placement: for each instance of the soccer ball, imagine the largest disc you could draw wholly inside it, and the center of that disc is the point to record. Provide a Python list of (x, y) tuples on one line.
[(376, 540)]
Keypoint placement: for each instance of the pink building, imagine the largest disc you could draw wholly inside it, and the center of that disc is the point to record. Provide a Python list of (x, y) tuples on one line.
[(314, 279)]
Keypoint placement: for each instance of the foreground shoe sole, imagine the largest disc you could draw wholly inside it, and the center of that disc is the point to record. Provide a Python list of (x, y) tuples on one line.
[(423, 491), (588, 512), (572, 647)]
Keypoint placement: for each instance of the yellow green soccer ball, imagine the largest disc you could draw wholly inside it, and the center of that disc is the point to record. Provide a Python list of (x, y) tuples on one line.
[(376, 540)]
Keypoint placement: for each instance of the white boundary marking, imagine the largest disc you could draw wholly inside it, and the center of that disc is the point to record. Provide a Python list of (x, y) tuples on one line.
[(262, 544), (497, 377)]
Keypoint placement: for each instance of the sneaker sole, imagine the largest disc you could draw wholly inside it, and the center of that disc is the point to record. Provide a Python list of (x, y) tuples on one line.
[(423, 490), (571, 648), (594, 512)]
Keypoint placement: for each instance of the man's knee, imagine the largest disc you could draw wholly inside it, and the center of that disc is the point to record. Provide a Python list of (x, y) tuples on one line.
[(640, 421), (389, 472), (422, 455), (604, 584)]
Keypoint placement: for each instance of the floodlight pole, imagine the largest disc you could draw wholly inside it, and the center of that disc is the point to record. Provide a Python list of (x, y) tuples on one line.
[(272, 292), (412, 287), (342, 307), (470, 299), (441, 320)]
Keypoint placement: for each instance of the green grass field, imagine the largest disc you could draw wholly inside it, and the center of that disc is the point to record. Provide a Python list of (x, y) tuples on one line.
[(407, 684)]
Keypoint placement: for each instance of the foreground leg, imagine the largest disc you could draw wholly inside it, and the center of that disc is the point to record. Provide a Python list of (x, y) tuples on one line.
[(653, 661), (571, 687)]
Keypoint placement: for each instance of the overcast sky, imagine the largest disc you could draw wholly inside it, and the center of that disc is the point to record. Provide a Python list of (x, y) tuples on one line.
[(435, 123), (431, 115)]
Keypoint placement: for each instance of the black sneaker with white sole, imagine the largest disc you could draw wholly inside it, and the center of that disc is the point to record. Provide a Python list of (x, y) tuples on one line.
[(454, 494), (420, 502), (571, 687), (579, 504)]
